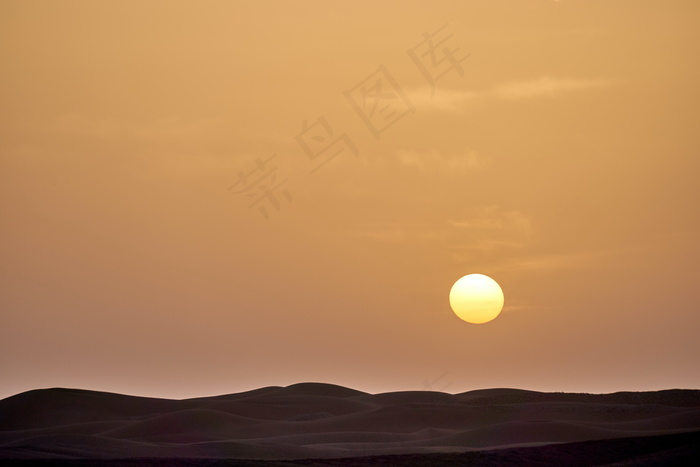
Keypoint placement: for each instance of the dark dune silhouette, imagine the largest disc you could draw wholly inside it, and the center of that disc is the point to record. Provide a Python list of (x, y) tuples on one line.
[(323, 424)]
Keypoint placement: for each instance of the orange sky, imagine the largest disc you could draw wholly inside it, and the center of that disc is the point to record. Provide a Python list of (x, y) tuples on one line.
[(559, 157)]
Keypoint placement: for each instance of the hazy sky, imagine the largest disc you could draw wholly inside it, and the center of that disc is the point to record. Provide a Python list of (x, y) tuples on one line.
[(552, 145)]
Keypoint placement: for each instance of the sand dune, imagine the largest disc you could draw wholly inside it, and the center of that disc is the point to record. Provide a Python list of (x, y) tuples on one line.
[(322, 421)]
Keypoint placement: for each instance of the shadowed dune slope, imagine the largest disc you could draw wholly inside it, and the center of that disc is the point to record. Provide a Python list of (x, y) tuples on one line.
[(323, 421), (681, 449)]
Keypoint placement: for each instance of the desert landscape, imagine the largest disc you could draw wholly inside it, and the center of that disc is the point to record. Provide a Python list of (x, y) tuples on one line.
[(323, 424), (333, 233)]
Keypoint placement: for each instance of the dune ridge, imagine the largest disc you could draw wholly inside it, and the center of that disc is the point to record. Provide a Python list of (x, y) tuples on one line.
[(324, 421)]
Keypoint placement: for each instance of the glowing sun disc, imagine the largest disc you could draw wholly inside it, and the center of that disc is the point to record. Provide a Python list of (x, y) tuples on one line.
[(476, 298)]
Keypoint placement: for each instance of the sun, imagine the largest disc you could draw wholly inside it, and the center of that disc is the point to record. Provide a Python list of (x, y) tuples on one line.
[(476, 298)]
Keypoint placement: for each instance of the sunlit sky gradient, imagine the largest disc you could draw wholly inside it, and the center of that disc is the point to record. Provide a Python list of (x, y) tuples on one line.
[(564, 164)]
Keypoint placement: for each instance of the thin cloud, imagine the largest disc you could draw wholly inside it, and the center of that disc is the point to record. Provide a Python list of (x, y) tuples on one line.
[(508, 308), (480, 224), (494, 219), (454, 101), (406, 233), (487, 245), (442, 101), (445, 163), (551, 262), (545, 86), (490, 229)]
